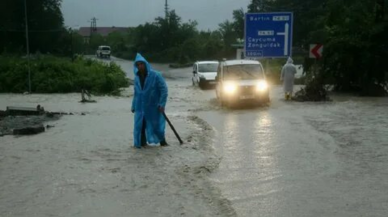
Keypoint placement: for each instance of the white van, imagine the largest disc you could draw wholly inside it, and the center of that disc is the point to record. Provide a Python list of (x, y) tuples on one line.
[(204, 73), (103, 51), (241, 80)]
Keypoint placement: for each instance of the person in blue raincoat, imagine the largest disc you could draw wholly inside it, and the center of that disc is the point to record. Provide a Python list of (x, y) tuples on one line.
[(288, 76), (148, 104)]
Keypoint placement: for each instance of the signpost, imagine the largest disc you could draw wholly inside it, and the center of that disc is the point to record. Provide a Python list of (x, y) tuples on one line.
[(268, 35), (315, 51)]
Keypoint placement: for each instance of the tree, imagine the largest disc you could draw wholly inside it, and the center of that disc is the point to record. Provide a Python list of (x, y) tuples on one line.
[(356, 48), (258, 6), (229, 36), (147, 38), (117, 42), (238, 22), (45, 22), (168, 38), (95, 41)]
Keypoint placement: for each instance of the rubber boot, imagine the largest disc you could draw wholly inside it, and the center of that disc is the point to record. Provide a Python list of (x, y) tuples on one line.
[(163, 143)]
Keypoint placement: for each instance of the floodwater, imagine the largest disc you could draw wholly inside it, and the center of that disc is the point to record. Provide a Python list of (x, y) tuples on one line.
[(285, 159), (293, 159), (300, 159)]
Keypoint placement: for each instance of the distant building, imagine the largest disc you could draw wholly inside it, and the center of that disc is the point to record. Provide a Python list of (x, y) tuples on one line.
[(103, 31)]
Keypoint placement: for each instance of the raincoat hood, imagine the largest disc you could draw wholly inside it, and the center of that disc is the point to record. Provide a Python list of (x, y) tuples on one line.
[(290, 61), (140, 58)]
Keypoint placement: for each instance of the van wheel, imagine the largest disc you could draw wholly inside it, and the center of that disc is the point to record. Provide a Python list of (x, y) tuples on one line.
[(201, 84), (222, 102), (227, 104), (264, 101), (267, 99)]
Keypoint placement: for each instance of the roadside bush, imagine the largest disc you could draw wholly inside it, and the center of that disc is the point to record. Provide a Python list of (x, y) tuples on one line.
[(58, 75), (314, 90)]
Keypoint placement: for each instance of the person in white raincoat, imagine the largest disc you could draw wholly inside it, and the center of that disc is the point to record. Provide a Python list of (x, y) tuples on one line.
[(288, 76)]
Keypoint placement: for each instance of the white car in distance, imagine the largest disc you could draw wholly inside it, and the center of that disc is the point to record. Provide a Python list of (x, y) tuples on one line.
[(103, 52), (204, 73)]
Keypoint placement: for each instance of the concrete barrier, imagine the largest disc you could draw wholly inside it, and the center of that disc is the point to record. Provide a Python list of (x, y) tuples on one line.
[(14, 111), (29, 130)]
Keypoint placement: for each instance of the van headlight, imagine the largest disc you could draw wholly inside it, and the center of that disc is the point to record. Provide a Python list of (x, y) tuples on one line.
[(230, 87), (262, 85)]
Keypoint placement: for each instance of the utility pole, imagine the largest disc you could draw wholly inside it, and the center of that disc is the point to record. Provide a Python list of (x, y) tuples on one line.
[(28, 46), (93, 25), (71, 41), (166, 9), (93, 28)]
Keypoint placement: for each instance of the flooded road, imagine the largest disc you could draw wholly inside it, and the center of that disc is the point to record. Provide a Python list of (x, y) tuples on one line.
[(304, 159), (300, 159), (285, 159), (86, 166)]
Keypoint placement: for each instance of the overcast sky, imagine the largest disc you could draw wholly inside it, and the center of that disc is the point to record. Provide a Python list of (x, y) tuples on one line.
[(131, 13)]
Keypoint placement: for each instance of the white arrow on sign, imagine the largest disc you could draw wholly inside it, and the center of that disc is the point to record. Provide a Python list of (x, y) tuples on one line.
[(285, 33), (316, 51)]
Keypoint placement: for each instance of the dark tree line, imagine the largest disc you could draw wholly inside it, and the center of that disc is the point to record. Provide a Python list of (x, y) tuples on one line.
[(354, 34)]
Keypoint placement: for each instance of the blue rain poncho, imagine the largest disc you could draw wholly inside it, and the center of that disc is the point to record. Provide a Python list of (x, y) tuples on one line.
[(145, 103), (288, 76)]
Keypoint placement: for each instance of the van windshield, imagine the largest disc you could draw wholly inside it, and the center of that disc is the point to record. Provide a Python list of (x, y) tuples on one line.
[(245, 71), (105, 48), (208, 67)]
